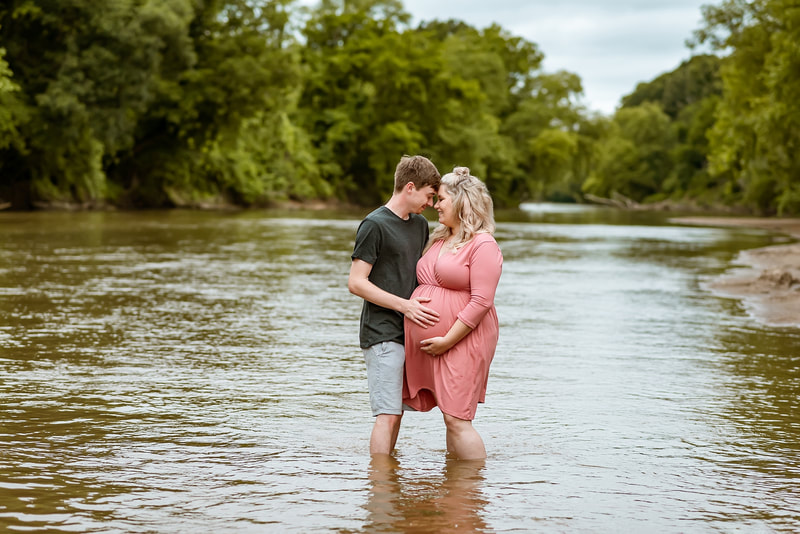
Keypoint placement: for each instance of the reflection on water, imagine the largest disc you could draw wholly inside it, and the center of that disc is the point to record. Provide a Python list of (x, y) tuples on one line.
[(189, 371), (762, 409), (402, 500)]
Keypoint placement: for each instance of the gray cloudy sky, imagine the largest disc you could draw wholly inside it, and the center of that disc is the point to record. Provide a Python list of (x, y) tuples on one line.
[(611, 44)]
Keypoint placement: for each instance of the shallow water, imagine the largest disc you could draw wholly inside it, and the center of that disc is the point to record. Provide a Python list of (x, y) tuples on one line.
[(191, 371)]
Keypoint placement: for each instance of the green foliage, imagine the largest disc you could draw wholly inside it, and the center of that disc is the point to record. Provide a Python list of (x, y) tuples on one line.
[(756, 137), (688, 96), (220, 119), (689, 178), (86, 73), (11, 111), (693, 81), (143, 102), (634, 158), (271, 160), (189, 103), (352, 101), (552, 153), (182, 103), (377, 90), (547, 129)]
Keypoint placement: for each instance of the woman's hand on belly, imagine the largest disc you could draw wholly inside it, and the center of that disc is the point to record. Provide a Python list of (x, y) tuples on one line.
[(438, 345), (435, 346)]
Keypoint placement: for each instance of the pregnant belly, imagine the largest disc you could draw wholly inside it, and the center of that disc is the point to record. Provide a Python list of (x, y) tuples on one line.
[(445, 301)]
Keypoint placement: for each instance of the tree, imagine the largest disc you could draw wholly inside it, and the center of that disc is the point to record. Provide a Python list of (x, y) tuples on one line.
[(353, 76), (9, 105), (142, 103), (634, 158), (12, 117), (223, 122), (689, 96), (756, 136), (545, 130), (693, 81), (186, 103), (85, 72), (504, 69), (378, 90)]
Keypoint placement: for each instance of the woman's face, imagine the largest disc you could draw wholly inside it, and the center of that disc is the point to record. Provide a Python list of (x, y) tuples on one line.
[(447, 214)]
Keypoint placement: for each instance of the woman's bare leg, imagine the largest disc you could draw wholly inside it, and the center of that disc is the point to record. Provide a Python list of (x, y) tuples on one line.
[(463, 440)]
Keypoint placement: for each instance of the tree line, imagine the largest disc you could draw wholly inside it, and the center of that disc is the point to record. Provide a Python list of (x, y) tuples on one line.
[(137, 103)]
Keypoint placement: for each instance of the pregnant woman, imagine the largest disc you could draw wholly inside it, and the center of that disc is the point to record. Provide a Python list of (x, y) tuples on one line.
[(447, 365)]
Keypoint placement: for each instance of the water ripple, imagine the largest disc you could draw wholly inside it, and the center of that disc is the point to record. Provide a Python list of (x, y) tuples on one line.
[(188, 372)]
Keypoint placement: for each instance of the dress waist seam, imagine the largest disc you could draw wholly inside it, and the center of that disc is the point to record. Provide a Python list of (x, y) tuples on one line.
[(443, 287)]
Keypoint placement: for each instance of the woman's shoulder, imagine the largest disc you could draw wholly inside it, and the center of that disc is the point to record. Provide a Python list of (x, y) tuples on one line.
[(484, 244), (483, 237)]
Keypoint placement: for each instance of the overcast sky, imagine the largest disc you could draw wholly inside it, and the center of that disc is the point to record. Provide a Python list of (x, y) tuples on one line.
[(611, 44)]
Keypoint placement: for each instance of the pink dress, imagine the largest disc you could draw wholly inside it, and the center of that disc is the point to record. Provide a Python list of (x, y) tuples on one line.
[(460, 286)]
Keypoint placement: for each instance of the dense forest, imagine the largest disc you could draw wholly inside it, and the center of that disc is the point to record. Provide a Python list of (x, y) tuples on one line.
[(138, 103)]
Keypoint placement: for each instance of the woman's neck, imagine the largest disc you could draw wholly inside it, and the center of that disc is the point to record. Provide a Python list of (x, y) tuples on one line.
[(454, 231)]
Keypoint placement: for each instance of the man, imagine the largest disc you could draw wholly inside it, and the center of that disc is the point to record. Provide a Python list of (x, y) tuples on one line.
[(389, 242)]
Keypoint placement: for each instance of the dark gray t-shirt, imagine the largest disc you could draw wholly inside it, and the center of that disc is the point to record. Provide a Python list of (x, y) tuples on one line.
[(392, 246)]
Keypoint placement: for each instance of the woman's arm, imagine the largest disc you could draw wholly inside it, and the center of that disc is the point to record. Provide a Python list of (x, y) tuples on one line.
[(441, 344), (485, 266)]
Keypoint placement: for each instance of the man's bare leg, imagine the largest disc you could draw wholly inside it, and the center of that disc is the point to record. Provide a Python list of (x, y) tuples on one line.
[(384, 434)]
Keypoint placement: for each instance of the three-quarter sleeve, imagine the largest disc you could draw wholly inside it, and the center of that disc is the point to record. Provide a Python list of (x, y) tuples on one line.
[(485, 266)]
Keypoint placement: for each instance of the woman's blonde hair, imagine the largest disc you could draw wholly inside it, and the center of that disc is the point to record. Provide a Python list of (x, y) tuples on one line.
[(472, 204)]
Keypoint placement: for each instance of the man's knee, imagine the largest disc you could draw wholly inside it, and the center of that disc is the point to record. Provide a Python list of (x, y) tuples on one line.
[(388, 420)]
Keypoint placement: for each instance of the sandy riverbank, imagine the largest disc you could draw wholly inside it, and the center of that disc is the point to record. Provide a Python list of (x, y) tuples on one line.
[(767, 279)]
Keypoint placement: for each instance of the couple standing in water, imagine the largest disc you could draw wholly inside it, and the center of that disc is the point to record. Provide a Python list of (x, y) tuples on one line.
[(428, 326)]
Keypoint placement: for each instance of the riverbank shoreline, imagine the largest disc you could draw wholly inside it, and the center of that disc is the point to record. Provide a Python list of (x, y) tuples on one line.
[(766, 280), (211, 205)]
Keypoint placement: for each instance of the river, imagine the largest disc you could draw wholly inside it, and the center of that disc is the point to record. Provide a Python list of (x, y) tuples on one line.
[(180, 371)]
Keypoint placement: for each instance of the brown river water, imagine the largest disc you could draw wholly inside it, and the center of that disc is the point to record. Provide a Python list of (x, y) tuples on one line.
[(200, 372)]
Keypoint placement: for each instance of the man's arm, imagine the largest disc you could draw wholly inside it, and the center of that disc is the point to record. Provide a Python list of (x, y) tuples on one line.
[(358, 283)]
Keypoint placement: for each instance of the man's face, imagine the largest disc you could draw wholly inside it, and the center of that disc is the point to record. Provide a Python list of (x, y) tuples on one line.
[(422, 198)]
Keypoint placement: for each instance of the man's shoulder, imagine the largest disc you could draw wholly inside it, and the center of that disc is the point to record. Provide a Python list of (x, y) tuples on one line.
[(374, 219), (384, 219), (378, 214), (418, 218)]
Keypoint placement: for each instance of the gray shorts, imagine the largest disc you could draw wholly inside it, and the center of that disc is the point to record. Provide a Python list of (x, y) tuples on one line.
[(385, 377)]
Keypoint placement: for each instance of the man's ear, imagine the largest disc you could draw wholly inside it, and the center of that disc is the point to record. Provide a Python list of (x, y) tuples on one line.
[(410, 187)]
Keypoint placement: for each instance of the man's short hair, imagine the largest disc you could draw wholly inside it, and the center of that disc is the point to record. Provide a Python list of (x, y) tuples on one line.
[(418, 170)]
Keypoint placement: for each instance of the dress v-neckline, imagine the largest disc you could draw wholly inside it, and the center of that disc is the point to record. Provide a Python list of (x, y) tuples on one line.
[(443, 251)]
